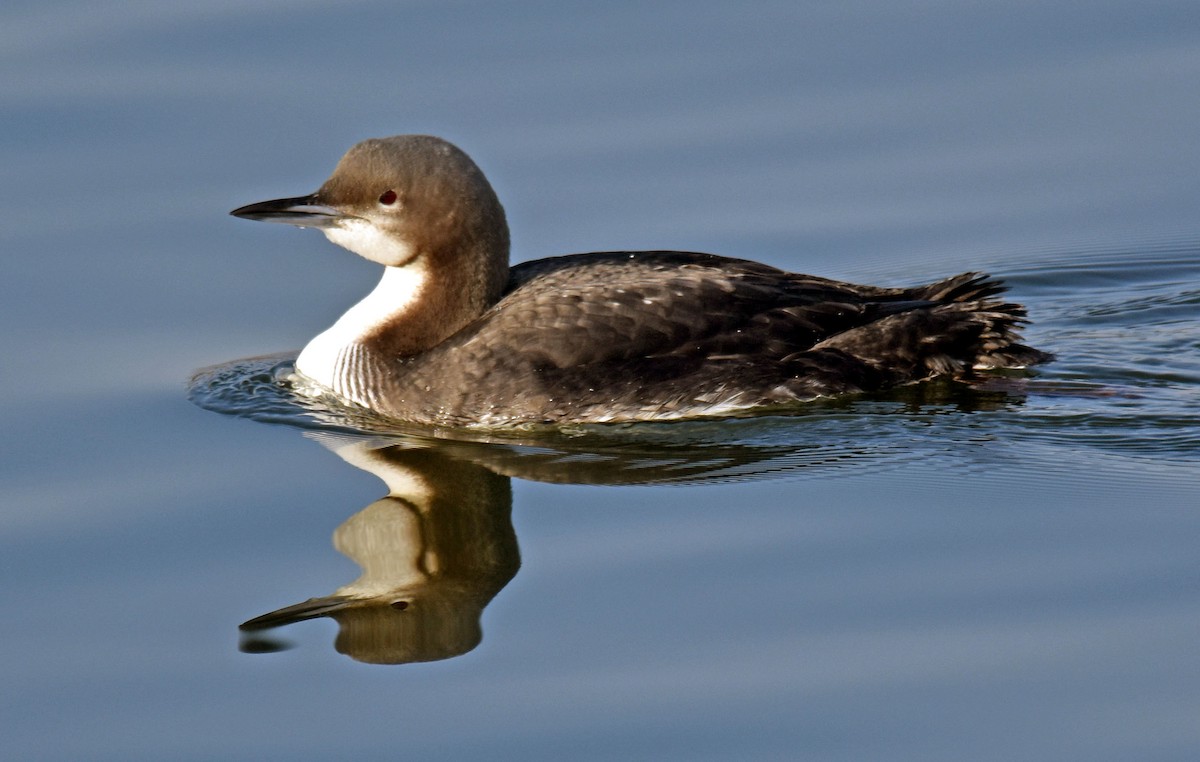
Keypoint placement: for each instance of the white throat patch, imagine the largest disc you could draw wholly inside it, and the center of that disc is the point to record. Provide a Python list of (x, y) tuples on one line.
[(365, 239), (327, 359)]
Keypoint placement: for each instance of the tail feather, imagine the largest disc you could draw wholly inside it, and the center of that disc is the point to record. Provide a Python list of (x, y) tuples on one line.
[(964, 329), (967, 287)]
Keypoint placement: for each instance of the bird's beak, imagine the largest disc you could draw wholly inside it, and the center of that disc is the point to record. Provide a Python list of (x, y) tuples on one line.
[(305, 211), (310, 609)]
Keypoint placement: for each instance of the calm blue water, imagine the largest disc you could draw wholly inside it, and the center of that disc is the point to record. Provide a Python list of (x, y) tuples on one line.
[(1006, 573)]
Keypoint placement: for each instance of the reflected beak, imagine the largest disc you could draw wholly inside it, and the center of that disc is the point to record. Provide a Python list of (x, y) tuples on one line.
[(304, 211), (310, 609)]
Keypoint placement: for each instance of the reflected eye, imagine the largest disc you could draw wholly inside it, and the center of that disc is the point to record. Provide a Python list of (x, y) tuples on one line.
[(388, 198)]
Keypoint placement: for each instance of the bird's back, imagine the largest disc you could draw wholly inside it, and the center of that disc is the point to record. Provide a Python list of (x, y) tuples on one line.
[(656, 335)]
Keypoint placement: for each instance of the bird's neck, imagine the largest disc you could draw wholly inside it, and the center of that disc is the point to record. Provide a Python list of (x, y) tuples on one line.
[(331, 357), (413, 308)]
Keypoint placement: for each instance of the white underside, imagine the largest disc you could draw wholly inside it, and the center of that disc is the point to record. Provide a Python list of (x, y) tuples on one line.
[(328, 359), (402, 481)]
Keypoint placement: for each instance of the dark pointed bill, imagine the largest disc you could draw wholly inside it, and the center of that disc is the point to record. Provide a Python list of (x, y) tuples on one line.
[(310, 609), (304, 211)]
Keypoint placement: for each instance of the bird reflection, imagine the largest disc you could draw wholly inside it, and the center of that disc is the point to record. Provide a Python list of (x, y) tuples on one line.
[(433, 553), (440, 545)]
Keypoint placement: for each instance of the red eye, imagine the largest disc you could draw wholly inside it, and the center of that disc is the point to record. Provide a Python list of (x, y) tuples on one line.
[(388, 198)]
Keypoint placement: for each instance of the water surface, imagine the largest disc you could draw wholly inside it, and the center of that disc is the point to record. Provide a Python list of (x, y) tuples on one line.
[(1007, 572)]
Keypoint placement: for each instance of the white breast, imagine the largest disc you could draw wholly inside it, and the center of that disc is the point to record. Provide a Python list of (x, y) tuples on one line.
[(329, 358)]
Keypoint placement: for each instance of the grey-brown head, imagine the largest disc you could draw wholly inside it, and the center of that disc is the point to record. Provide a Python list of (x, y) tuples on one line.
[(401, 199), (419, 206)]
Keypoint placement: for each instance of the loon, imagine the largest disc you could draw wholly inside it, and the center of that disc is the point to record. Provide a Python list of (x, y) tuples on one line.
[(454, 336)]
